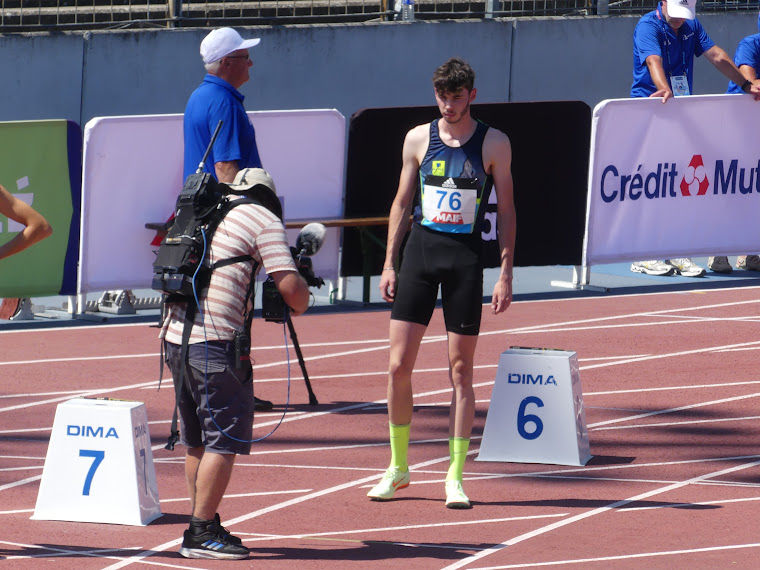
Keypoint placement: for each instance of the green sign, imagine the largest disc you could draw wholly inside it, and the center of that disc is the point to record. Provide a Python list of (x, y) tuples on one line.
[(34, 166)]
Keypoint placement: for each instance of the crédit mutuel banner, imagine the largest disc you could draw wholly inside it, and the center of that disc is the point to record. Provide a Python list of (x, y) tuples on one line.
[(678, 179)]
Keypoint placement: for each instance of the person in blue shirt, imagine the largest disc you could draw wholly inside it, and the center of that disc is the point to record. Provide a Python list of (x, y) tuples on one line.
[(665, 43), (227, 62), (747, 59)]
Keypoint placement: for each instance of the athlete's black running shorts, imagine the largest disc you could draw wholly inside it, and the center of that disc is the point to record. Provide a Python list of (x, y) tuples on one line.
[(453, 261)]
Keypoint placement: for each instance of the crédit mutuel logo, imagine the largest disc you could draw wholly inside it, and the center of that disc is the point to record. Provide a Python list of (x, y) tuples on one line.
[(671, 180)]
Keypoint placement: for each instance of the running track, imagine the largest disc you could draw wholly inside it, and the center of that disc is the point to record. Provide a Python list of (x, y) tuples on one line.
[(671, 386)]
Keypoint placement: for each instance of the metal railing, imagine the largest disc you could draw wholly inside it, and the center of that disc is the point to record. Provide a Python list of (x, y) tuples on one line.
[(50, 15)]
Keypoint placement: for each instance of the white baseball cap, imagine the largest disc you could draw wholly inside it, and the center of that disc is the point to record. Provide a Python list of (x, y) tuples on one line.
[(223, 41), (682, 9)]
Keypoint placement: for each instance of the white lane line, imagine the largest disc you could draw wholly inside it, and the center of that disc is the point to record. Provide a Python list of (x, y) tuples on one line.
[(69, 392), (548, 528), (622, 557), (672, 410), (260, 536), (25, 457), (239, 495), (30, 468), (670, 355), (660, 389), (20, 482), (98, 553), (688, 505), (688, 422), (78, 359), (89, 393)]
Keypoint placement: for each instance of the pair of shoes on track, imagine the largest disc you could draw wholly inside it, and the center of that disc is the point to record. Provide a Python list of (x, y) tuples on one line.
[(214, 543), (682, 266), (395, 479), (720, 264)]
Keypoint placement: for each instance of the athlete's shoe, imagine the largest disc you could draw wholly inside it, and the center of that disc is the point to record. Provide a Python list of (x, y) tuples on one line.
[(652, 267), (750, 262), (686, 267), (224, 533), (392, 481), (719, 264), (212, 544), (455, 497)]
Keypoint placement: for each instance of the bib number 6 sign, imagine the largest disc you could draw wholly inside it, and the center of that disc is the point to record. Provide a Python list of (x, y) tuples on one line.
[(536, 412)]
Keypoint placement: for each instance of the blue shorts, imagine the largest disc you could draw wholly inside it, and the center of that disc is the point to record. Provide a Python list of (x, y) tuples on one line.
[(216, 398)]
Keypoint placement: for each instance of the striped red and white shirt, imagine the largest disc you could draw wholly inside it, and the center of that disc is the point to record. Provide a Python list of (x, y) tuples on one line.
[(248, 229)]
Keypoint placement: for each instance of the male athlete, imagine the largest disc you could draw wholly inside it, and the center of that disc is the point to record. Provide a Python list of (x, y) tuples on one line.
[(455, 161)]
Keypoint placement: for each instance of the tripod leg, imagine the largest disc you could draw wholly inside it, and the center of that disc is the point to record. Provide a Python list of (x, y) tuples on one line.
[(312, 398)]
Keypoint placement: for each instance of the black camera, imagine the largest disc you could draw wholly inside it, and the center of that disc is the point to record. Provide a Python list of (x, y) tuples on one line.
[(272, 304), (273, 307)]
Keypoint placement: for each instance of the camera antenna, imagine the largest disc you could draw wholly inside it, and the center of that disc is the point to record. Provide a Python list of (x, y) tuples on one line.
[(208, 148)]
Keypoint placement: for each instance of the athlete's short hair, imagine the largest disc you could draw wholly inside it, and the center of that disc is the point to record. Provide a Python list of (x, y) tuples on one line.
[(454, 75)]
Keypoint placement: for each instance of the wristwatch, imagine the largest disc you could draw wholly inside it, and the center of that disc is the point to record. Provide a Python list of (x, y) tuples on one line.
[(746, 84)]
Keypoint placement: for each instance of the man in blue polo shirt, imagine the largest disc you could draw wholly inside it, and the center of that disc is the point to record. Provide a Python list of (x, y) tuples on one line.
[(665, 43), (747, 59), (227, 61)]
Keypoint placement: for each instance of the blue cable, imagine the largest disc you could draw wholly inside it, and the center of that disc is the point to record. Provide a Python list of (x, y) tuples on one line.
[(205, 342)]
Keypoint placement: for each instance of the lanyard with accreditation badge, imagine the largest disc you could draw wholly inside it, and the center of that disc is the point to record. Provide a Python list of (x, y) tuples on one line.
[(678, 83)]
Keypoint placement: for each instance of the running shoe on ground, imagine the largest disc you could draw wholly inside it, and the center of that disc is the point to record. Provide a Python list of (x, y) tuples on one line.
[(686, 267), (455, 497), (750, 262), (392, 481), (653, 267), (719, 264), (212, 544)]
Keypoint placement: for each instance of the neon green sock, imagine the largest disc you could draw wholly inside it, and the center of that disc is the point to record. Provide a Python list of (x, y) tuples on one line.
[(399, 446), (458, 453)]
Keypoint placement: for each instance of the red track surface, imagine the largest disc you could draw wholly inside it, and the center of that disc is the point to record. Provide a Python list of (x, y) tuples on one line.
[(670, 388)]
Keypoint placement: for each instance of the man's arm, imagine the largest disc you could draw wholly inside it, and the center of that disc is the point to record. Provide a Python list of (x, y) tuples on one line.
[(723, 63), (37, 227), (497, 152), (748, 72), (660, 80), (293, 289), (226, 170), (398, 221)]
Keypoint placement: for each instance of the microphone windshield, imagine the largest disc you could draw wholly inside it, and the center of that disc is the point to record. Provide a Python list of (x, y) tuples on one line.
[(310, 239)]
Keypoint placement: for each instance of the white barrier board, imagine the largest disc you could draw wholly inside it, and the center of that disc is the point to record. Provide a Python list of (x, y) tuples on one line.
[(673, 180), (536, 412), (99, 465), (132, 174)]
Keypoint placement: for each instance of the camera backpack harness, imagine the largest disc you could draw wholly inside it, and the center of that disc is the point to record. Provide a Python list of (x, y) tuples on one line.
[(181, 270)]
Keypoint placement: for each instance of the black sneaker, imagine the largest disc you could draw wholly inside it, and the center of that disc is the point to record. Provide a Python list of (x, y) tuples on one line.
[(224, 533), (260, 405), (212, 544)]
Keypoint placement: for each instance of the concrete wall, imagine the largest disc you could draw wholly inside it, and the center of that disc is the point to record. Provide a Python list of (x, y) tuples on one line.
[(78, 76)]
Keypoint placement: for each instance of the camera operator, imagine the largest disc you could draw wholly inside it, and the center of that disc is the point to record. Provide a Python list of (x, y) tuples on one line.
[(216, 404)]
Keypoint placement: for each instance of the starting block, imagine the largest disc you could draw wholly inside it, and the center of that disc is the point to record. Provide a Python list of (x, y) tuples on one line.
[(99, 465), (536, 412)]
